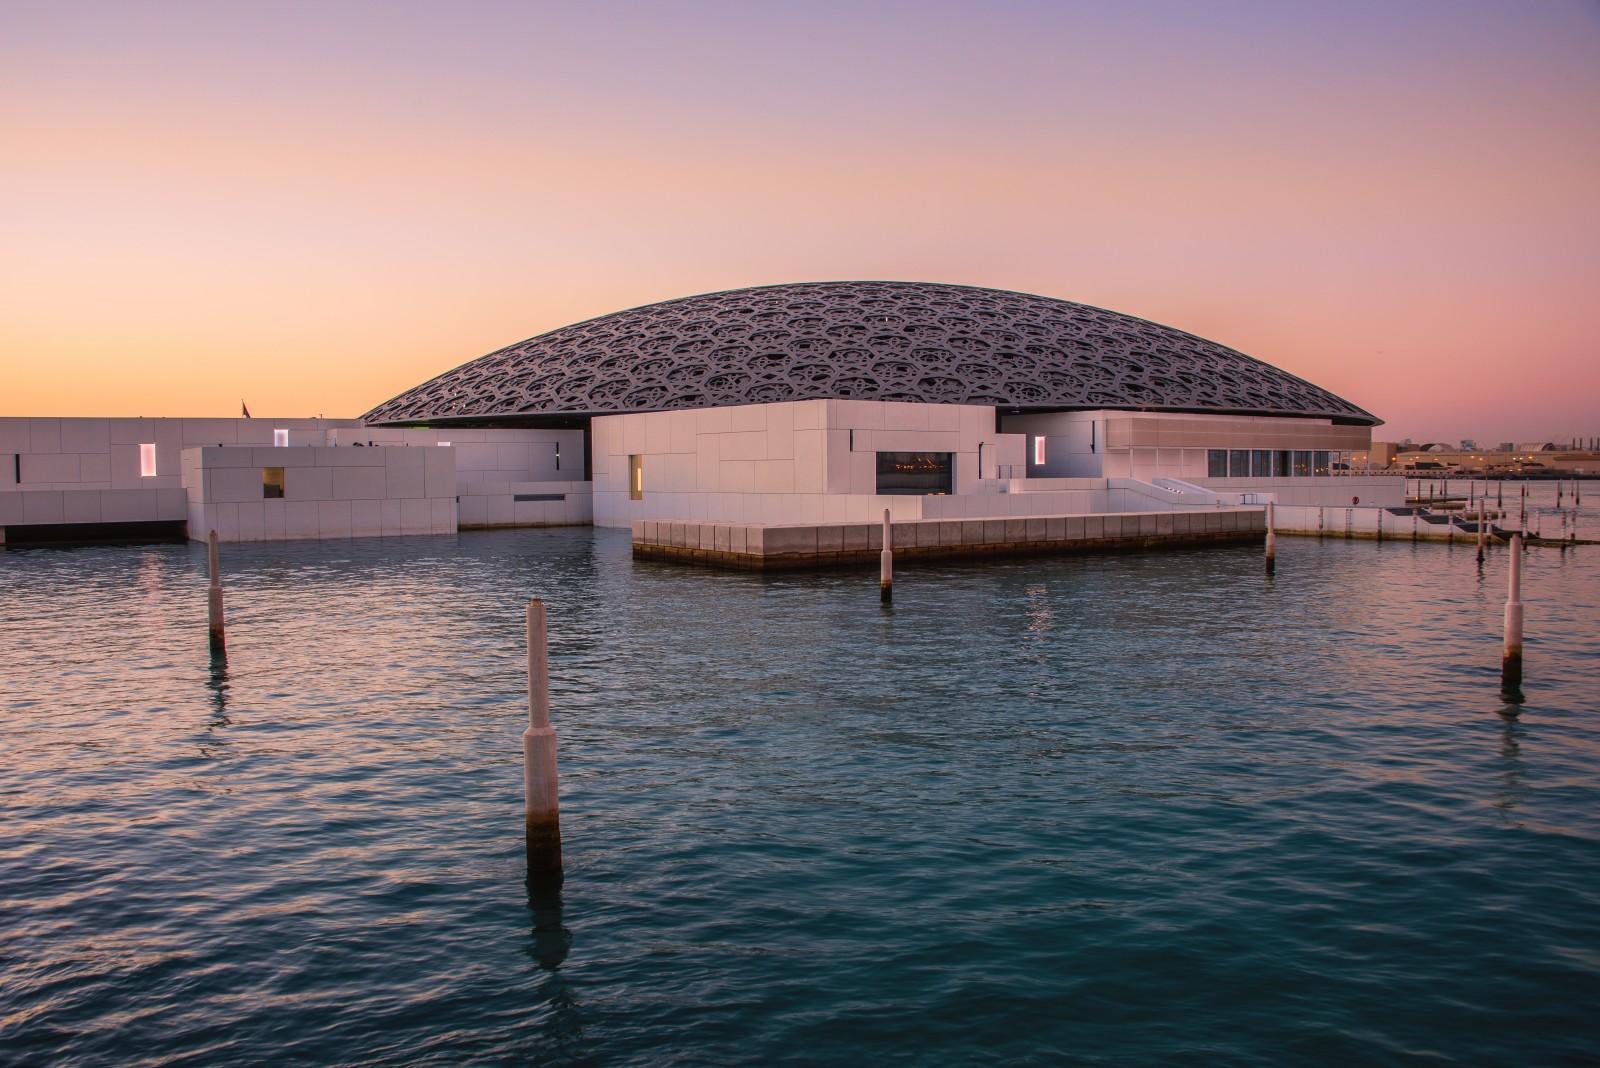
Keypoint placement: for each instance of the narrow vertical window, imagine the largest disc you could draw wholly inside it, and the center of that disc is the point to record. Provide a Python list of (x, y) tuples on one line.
[(271, 482), (1038, 451), (280, 438), (147, 459), (558, 456), (635, 477)]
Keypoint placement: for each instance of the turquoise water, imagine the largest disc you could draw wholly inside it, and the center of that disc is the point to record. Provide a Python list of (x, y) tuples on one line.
[(1145, 809)]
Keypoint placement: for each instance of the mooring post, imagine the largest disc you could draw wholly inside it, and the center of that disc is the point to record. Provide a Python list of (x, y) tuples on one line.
[(1483, 513), (219, 643), (1511, 662), (1322, 520), (1272, 539), (886, 561), (540, 789), (1380, 522)]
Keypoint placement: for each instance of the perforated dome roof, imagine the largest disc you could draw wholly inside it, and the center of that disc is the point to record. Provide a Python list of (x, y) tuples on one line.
[(899, 341)]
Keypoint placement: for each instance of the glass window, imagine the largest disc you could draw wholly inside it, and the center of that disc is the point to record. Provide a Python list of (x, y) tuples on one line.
[(635, 477), (1302, 463), (906, 473), (1260, 463), (271, 482), (1216, 463), (1320, 463), (1038, 451), (280, 438), (147, 459), (1280, 463), (1239, 463)]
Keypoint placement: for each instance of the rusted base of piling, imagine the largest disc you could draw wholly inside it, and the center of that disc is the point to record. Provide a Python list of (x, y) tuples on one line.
[(1511, 672), (851, 558), (544, 848)]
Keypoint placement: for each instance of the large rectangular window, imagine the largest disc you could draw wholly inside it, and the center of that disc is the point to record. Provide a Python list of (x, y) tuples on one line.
[(1260, 463), (1216, 463), (1320, 464), (1239, 463), (271, 482), (1302, 463), (147, 459), (908, 473), (1280, 463), (635, 477)]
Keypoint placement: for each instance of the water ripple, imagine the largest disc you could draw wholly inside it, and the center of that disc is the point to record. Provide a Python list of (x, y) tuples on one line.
[(1137, 809)]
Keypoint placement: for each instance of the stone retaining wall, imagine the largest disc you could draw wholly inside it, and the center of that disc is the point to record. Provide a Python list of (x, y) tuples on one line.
[(758, 547)]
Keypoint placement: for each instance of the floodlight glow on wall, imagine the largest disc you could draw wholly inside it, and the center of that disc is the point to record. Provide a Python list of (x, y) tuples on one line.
[(280, 438), (147, 459), (1038, 451)]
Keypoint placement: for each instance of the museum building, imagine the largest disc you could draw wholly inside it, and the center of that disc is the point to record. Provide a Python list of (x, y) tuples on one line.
[(810, 403)]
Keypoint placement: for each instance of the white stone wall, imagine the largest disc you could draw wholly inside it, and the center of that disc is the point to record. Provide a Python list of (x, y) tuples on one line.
[(786, 462), (328, 492), (488, 455), (486, 505), (1151, 445), (72, 454), (1338, 490), (87, 470)]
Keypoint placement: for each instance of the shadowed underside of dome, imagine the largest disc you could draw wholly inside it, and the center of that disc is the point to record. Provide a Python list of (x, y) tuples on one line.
[(886, 341)]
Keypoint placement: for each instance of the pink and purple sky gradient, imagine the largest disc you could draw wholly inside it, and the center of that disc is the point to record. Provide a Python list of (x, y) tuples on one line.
[(314, 206)]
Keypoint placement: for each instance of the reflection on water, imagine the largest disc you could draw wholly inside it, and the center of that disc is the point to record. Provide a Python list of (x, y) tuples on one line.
[(1512, 792), (797, 829), (551, 940)]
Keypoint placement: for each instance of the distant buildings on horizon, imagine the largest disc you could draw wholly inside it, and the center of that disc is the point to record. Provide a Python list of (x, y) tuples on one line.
[(1507, 459)]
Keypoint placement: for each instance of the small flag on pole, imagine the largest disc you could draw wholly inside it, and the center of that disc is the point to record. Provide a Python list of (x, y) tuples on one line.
[(243, 409)]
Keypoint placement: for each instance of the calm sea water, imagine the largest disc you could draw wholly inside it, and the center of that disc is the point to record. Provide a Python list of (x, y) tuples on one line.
[(1146, 809)]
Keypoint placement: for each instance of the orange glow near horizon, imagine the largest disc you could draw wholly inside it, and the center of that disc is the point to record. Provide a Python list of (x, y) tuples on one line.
[(314, 211)]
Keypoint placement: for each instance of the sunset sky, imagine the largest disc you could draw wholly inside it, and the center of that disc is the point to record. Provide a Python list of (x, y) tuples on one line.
[(314, 206)]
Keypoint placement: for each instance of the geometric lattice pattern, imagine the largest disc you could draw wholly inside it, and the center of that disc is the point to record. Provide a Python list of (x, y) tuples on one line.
[(902, 341)]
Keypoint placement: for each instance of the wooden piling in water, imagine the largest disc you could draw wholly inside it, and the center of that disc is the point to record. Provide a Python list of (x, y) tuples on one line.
[(540, 785), (1272, 539), (886, 561), (1511, 660), (1482, 524), (214, 617)]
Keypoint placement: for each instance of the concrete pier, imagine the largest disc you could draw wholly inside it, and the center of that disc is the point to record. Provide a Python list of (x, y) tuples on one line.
[(1511, 657), (886, 560), (761, 548), (540, 791), (214, 616)]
